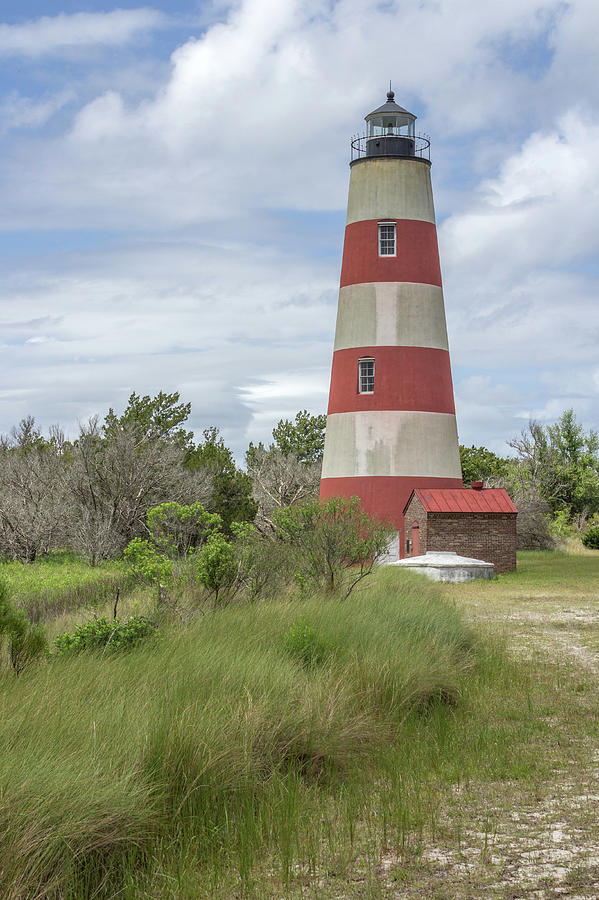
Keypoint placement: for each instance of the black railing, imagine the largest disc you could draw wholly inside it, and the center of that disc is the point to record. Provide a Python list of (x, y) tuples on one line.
[(421, 142)]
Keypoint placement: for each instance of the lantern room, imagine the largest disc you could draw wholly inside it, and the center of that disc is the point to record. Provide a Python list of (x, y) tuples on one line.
[(390, 130)]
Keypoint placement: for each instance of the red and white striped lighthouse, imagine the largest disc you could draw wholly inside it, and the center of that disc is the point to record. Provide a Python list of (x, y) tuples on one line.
[(391, 423)]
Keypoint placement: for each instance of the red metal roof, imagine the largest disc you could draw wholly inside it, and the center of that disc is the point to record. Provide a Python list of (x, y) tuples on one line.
[(490, 500)]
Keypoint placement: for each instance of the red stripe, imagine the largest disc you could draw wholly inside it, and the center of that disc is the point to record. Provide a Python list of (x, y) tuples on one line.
[(383, 497), (417, 257), (405, 378)]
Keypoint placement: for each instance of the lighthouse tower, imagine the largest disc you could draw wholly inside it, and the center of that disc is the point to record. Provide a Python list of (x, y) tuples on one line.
[(391, 423)]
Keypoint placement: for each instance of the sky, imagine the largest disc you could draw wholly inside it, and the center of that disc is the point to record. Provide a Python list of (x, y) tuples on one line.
[(174, 181)]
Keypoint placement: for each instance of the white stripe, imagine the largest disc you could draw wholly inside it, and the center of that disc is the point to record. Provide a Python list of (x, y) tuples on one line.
[(391, 442), (391, 314), (390, 189)]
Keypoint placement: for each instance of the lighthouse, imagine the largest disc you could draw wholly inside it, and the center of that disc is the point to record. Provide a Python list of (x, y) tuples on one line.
[(391, 425)]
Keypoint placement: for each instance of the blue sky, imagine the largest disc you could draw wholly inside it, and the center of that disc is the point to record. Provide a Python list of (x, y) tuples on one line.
[(174, 181)]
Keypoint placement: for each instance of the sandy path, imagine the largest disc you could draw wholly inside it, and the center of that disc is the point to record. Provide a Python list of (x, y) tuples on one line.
[(513, 842)]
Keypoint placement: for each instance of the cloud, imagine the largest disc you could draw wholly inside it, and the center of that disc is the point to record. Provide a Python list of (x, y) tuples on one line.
[(17, 111), (170, 318), (256, 112), (521, 279), (232, 303), (54, 34)]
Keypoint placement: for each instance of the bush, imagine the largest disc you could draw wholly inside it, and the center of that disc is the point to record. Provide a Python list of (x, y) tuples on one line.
[(216, 565), (336, 544), (303, 643), (146, 564), (26, 642), (177, 529), (590, 538), (100, 634)]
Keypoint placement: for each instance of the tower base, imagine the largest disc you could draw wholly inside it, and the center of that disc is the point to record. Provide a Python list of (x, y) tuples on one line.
[(384, 496)]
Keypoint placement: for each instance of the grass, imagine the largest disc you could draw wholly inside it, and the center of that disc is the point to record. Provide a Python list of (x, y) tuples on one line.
[(62, 582), (228, 760), (218, 739)]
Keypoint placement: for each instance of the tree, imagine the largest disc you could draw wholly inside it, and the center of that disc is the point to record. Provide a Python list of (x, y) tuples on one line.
[(119, 472), (176, 529), (153, 418), (303, 438), (562, 462), (279, 480), (289, 470), (216, 565), (336, 542), (145, 563), (34, 504), (478, 463), (231, 489)]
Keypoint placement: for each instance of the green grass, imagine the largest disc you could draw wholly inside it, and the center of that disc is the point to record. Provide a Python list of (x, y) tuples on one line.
[(223, 762), (61, 582), (216, 739)]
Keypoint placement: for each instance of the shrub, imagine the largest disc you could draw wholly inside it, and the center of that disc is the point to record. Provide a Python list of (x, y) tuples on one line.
[(590, 538), (265, 564), (216, 565), (336, 543), (146, 564), (303, 642), (176, 529), (26, 642), (100, 634)]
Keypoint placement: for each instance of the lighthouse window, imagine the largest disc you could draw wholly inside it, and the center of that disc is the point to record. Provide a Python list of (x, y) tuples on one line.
[(365, 376), (386, 238)]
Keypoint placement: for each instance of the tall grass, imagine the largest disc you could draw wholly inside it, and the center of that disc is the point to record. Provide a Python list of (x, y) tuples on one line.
[(61, 582), (218, 745)]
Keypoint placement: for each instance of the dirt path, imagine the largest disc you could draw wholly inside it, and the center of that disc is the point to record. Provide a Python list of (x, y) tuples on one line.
[(540, 841)]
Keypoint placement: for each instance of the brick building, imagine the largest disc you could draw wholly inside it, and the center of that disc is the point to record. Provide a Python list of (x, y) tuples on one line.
[(472, 522)]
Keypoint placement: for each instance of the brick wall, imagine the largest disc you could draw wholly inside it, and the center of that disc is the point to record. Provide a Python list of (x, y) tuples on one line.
[(488, 536), (415, 512)]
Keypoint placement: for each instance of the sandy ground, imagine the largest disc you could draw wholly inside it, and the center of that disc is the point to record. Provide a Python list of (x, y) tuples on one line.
[(515, 843)]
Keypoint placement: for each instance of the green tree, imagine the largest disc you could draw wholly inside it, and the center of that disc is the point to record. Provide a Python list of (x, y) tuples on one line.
[(145, 563), (478, 463), (231, 488), (217, 565), (176, 528), (336, 543), (562, 462), (160, 417), (304, 437)]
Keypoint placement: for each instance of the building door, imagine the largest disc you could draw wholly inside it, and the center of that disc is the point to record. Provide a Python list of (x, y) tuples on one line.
[(415, 539)]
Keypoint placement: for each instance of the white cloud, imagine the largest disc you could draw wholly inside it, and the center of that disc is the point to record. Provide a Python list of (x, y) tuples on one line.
[(54, 34), (170, 318), (254, 115), (17, 111), (258, 110)]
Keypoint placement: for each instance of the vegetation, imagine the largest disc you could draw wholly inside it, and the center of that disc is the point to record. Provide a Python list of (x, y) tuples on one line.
[(25, 642), (268, 748), (61, 582), (216, 565), (217, 738), (100, 634), (553, 479), (590, 538), (93, 495), (336, 543)]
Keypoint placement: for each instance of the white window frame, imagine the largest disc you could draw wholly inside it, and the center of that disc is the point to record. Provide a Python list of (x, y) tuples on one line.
[(387, 238), (363, 376)]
